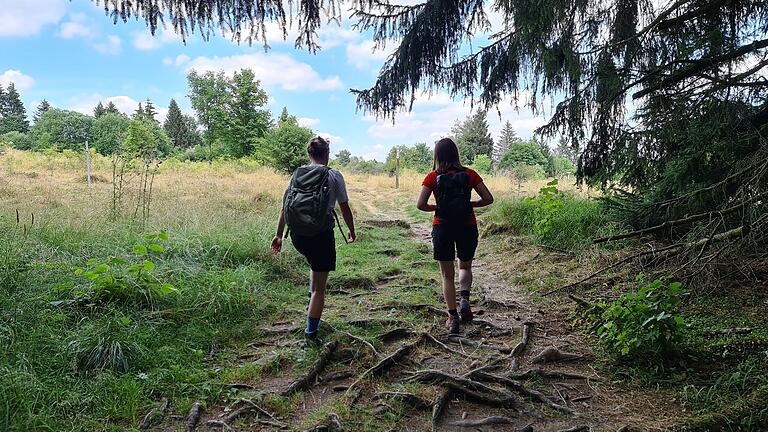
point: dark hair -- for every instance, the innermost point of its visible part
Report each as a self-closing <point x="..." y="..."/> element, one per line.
<point x="446" y="156"/>
<point x="318" y="148"/>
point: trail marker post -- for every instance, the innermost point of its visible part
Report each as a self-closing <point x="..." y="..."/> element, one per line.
<point x="397" y="168"/>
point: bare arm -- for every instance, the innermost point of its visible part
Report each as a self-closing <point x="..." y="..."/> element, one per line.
<point x="486" y="198"/>
<point x="277" y="241"/>
<point x="422" y="202"/>
<point x="346" y="213"/>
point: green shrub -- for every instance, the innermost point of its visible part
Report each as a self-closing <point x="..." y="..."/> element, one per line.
<point x="17" y="140"/>
<point x="642" y="322"/>
<point x="547" y="205"/>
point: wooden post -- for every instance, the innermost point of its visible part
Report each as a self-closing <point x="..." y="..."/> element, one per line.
<point x="397" y="169"/>
<point x="88" y="162"/>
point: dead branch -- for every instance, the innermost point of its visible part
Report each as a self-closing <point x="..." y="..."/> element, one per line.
<point x="193" y="417"/>
<point x="387" y="362"/>
<point x="309" y="378"/>
<point x="552" y="354"/>
<point x="464" y="341"/>
<point x="409" y="399"/>
<point x="434" y="342"/>
<point x="520" y="347"/>
<point x="492" y="420"/>
<point x="253" y="406"/>
<point x="438" y="408"/>
<point x="154" y="416"/>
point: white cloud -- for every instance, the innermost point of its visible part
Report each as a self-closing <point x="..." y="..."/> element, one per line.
<point x="273" y="69"/>
<point x="19" y="80"/>
<point x="308" y="122"/>
<point x="332" y="139"/>
<point x="364" y="54"/>
<point x="111" y="45"/>
<point x="145" y="41"/>
<point x="78" y="28"/>
<point x="26" y="17"/>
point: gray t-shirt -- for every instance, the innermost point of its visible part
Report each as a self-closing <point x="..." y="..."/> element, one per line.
<point x="338" y="188"/>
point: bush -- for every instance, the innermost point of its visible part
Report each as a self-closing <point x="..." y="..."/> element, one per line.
<point x="523" y="173"/>
<point x="61" y="129"/>
<point x="17" y="140"/>
<point x="481" y="164"/>
<point x="642" y="322"/>
<point x="109" y="132"/>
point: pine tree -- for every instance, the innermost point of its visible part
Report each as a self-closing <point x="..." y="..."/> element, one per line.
<point x="566" y="150"/>
<point x="111" y="108"/>
<point x="41" y="109"/>
<point x="13" y="115"/>
<point x="99" y="110"/>
<point x="473" y="138"/>
<point x="177" y="127"/>
<point x="139" y="113"/>
<point x="506" y="138"/>
<point x="149" y="111"/>
<point x="284" y="116"/>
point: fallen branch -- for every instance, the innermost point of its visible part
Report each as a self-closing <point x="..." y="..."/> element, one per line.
<point x="154" y="416"/>
<point x="387" y="362"/>
<point x="552" y="354"/>
<point x="409" y="399"/>
<point x="464" y="341"/>
<point x="193" y="417"/>
<point x="492" y="420"/>
<point x="520" y="347"/>
<point x="309" y="378"/>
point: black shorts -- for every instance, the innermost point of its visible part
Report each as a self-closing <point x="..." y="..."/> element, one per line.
<point x="450" y="241"/>
<point x="319" y="250"/>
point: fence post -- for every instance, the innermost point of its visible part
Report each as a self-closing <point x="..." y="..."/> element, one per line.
<point x="397" y="169"/>
<point x="88" y="162"/>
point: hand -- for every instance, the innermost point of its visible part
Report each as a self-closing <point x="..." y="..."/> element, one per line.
<point x="277" y="244"/>
<point x="352" y="237"/>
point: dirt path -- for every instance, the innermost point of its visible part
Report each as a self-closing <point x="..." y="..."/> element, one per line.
<point x="391" y="366"/>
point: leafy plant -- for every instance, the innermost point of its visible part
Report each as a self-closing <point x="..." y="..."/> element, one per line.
<point x="547" y="205"/>
<point x="118" y="278"/>
<point x="643" y="321"/>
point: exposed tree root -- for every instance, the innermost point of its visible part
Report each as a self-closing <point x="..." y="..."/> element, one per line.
<point x="527" y="428"/>
<point x="337" y="376"/>
<point x="387" y="362"/>
<point x="577" y="429"/>
<point x="309" y="378"/>
<point x="218" y="424"/>
<point x="520" y="347"/>
<point x="331" y="424"/>
<point x="364" y="342"/>
<point x="193" y="417"/>
<point x="154" y="416"/>
<point x="409" y="399"/>
<point x="469" y="342"/>
<point x="495" y="329"/>
<point x="489" y="302"/>
<point x="473" y="390"/>
<point x="532" y="373"/>
<point x="438" y="408"/>
<point x="492" y="420"/>
<point x="552" y="354"/>
<point x="250" y="407"/>
<point x="428" y="338"/>
<point x="521" y="389"/>
<point x="395" y="334"/>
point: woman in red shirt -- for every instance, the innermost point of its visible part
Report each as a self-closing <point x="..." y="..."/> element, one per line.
<point x="454" y="227"/>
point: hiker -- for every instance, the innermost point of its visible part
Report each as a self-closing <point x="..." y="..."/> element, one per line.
<point x="308" y="210"/>
<point x="454" y="227"/>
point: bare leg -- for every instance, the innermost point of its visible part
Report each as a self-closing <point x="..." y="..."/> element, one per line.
<point x="465" y="275"/>
<point x="448" y="272"/>
<point x="317" y="302"/>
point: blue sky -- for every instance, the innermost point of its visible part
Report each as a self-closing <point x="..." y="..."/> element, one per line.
<point x="70" y="53"/>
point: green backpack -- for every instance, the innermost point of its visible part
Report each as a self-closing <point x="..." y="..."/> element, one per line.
<point x="306" y="201"/>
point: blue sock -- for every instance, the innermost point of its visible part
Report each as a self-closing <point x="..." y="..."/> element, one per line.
<point x="312" y="324"/>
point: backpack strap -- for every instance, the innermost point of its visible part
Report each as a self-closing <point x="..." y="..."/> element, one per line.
<point x="336" y="216"/>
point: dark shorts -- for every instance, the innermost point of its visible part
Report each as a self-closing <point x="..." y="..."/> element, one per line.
<point x="450" y="241"/>
<point x="319" y="250"/>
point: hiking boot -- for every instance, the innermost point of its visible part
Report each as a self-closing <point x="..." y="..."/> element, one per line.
<point x="465" y="312"/>
<point x="312" y="340"/>
<point x="452" y="324"/>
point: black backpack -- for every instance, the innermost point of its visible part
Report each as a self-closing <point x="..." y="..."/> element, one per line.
<point x="306" y="201"/>
<point x="454" y="198"/>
